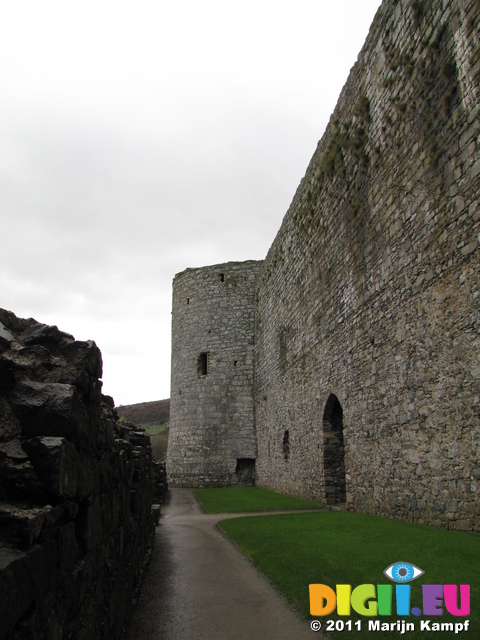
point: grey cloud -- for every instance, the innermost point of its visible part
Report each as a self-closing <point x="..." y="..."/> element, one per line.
<point x="103" y="222"/>
<point x="121" y="167"/>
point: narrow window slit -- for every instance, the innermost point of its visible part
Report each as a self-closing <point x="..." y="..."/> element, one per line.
<point x="286" y="445"/>
<point x="203" y="364"/>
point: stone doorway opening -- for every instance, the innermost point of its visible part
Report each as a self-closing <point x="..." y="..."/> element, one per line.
<point x="333" y="452"/>
<point x="245" y="472"/>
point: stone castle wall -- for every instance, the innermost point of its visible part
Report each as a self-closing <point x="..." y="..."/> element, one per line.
<point x="370" y="292"/>
<point x="75" y="491"/>
<point x="212" y="438"/>
<point x="367" y="367"/>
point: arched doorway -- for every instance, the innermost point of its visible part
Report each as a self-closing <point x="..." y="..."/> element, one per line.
<point x="333" y="452"/>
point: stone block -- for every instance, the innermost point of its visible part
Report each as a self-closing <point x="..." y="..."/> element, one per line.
<point x="47" y="409"/>
<point x="60" y="468"/>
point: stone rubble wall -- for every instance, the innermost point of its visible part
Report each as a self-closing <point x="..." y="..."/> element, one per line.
<point x="370" y="293"/>
<point x="75" y="491"/>
<point x="160" y="481"/>
<point x="211" y="438"/>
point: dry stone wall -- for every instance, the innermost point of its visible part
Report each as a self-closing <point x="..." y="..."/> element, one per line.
<point x="212" y="438"/>
<point x="367" y="334"/>
<point x="369" y="297"/>
<point x="75" y="491"/>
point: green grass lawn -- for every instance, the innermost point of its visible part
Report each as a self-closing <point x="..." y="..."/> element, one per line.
<point x="154" y="431"/>
<point x="331" y="548"/>
<point x="247" y="499"/>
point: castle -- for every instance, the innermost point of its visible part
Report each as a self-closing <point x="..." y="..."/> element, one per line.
<point x="345" y="367"/>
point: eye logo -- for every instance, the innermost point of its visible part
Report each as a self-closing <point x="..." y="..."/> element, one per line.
<point x="403" y="572"/>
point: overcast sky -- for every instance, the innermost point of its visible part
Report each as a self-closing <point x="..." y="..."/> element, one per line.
<point x="141" y="138"/>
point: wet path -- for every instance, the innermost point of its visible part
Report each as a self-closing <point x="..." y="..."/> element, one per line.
<point x="199" y="587"/>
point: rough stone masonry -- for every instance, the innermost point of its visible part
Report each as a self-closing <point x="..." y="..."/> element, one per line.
<point x="362" y="323"/>
<point x="212" y="441"/>
<point x="75" y="491"/>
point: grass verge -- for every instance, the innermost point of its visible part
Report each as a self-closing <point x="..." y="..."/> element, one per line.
<point x="247" y="499"/>
<point x="159" y="440"/>
<point x="331" y="548"/>
<point x="154" y="431"/>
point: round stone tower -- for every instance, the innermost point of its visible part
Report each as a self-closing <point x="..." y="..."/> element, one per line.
<point x="212" y="430"/>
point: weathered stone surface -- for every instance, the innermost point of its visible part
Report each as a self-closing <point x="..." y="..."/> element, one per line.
<point x="160" y="481"/>
<point x="58" y="466"/>
<point x="211" y="424"/>
<point x="369" y="296"/>
<point x="73" y="541"/>
<point x="5" y="335"/>
<point x="48" y="409"/>
<point x="84" y="356"/>
<point x="45" y="335"/>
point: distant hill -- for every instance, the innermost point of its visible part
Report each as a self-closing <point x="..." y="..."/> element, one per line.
<point x="146" y="414"/>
